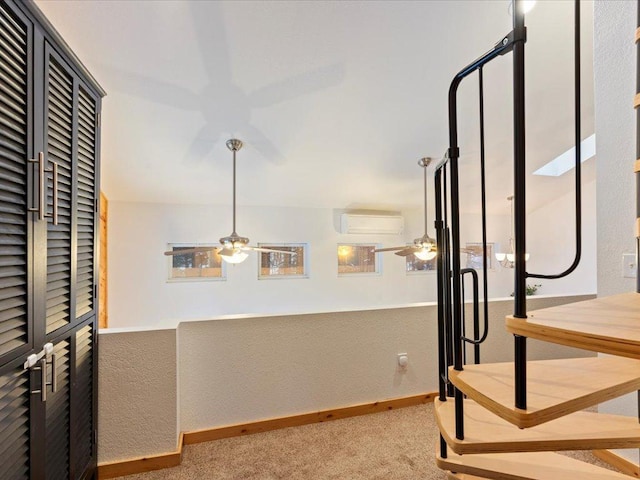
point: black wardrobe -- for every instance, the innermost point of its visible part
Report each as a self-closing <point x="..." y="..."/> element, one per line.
<point x="49" y="188"/>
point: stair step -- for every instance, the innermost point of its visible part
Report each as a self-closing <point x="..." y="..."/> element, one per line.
<point x="555" y="388"/>
<point x="463" y="476"/>
<point x="524" y="466"/>
<point x="608" y="325"/>
<point x="485" y="432"/>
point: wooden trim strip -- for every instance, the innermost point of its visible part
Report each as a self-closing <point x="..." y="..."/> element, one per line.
<point x="637" y="227"/>
<point x="637" y="35"/>
<point x="141" y="465"/>
<point x="636" y="101"/>
<point x="636" y="166"/>
<point x="173" y="459"/>
<point x="305" y="419"/>
<point x="616" y="461"/>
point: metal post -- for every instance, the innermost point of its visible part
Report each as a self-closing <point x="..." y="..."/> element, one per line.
<point x="519" y="181"/>
<point x="439" y="226"/>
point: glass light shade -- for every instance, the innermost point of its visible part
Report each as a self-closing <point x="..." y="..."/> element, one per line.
<point x="425" y="254"/>
<point x="527" y="6"/>
<point x="238" y="256"/>
<point x="501" y="256"/>
<point x="526" y="257"/>
<point x="511" y="257"/>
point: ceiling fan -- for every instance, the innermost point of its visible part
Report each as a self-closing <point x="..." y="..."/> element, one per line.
<point x="233" y="248"/>
<point x="424" y="247"/>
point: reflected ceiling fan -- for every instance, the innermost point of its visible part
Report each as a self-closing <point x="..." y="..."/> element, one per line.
<point x="233" y="248"/>
<point x="424" y="247"/>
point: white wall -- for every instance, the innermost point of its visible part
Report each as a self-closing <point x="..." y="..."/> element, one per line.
<point x="138" y="395"/>
<point x="615" y="74"/>
<point x="234" y="371"/>
<point x="140" y="296"/>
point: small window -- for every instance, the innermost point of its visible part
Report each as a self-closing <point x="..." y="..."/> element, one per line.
<point x="201" y="265"/>
<point x="475" y="254"/>
<point x="414" y="264"/>
<point x="357" y="258"/>
<point x="282" y="265"/>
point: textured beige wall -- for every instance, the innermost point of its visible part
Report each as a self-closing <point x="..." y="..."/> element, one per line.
<point x="208" y="374"/>
<point x="615" y="76"/>
<point x="244" y="370"/>
<point x="137" y="403"/>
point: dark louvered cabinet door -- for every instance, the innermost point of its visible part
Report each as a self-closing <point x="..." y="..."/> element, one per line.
<point x="59" y="147"/>
<point x="57" y="415"/>
<point x="15" y="99"/>
<point x="83" y="458"/>
<point x="14" y="424"/>
<point x="86" y="204"/>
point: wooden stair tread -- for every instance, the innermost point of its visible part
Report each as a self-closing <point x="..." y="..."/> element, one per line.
<point x="463" y="476"/>
<point x="524" y="466"/>
<point x="608" y="325"/>
<point x="554" y="387"/>
<point x="485" y="432"/>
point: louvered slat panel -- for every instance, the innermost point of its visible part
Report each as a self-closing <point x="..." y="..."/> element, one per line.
<point x="86" y="202"/>
<point x="57" y="419"/>
<point x="13" y="198"/>
<point x="59" y="150"/>
<point x="14" y="426"/>
<point x="83" y="425"/>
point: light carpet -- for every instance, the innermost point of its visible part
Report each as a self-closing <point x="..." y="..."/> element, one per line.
<point x="394" y="445"/>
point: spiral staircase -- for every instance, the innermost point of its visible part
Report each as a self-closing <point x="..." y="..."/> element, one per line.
<point x="504" y="442"/>
<point x="508" y="421"/>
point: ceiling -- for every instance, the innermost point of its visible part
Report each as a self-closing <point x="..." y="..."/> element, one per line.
<point x="335" y="100"/>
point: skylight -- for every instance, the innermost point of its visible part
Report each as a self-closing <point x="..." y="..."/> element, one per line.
<point x="566" y="161"/>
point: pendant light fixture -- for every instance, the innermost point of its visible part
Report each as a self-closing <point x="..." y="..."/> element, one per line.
<point x="508" y="260"/>
<point x="424" y="247"/>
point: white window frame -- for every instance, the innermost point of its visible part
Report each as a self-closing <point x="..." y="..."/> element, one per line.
<point x="377" y="260"/>
<point x="171" y="279"/>
<point x="305" y="263"/>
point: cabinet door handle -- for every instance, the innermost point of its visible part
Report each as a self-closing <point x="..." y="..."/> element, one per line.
<point x="42" y="367"/>
<point x="55" y="192"/>
<point x="43" y="377"/>
<point x="54" y="373"/>
<point x="42" y="200"/>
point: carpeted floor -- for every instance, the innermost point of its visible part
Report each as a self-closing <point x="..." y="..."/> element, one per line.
<point x="398" y="444"/>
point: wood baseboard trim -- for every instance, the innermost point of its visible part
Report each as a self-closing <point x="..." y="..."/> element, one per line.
<point x="141" y="465"/>
<point x="173" y="459"/>
<point x="616" y="461"/>
<point x="305" y="419"/>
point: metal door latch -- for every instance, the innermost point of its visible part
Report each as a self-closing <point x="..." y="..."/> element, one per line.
<point x="39" y="362"/>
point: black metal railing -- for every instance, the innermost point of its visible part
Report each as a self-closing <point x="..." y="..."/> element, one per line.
<point x="452" y="338"/>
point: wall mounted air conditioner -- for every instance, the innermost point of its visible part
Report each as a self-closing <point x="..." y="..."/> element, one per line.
<point x="371" y="224"/>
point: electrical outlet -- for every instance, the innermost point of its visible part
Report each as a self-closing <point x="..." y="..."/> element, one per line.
<point x="629" y="265"/>
<point x="403" y="360"/>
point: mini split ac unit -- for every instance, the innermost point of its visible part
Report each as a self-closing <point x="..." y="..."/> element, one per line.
<point x="371" y="224"/>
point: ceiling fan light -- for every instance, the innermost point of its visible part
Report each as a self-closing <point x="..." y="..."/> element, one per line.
<point x="238" y="256"/>
<point x="501" y="256"/>
<point x="426" y="254"/>
<point x="526" y="257"/>
<point x="511" y="257"/>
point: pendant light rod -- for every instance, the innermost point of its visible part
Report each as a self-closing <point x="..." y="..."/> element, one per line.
<point x="424" y="163"/>
<point x="234" y="145"/>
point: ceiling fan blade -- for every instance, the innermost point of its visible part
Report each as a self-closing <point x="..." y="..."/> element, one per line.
<point x="408" y="251"/>
<point x="211" y="37"/>
<point x="298" y="85"/>
<point x="190" y="250"/>
<point x="390" y="249"/>
<point x="202" y="144"/>
<point x="152" y="89"/>
<point x="263" y="145"/>
<point x="270" y="250"/>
